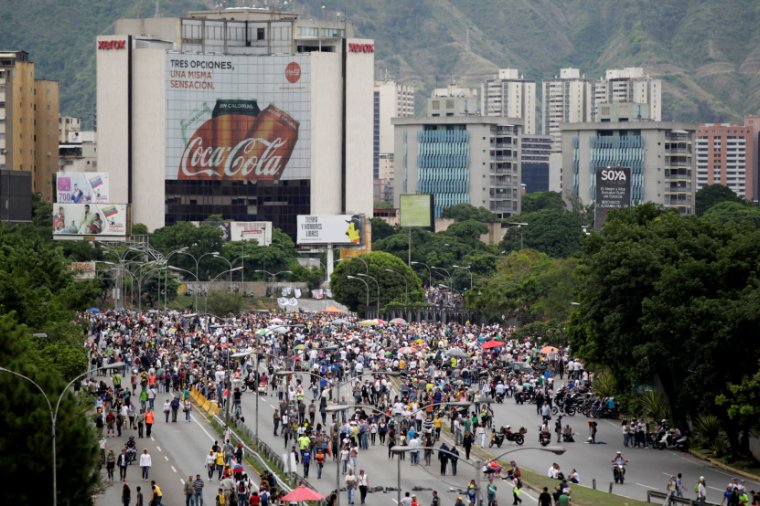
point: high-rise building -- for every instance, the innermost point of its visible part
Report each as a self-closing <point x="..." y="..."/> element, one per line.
<point x="460" y="160"/>
<point x="659" y="155"/>
<point x="29" y="110"/>
<point x="567" y="99"/>
<point x="535" y="151"/>
<point x="249" y="113"/>
<point x="629" y="85"/>
<point x="727" y="155"/>
<point x="509" y="95"/>
<point x="391" y="100"/>
<point x="453" y="101"/>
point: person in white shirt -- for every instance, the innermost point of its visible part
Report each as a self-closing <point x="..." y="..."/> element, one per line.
<point x="145" y="463"/>
<point x="350" y="481"/>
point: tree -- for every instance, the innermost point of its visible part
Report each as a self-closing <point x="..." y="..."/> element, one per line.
<point x="537" y="201"/>
<point x="671" y="299"/>
<point x="464" y="212"/>
<point x="711" y="195"/>
<point x="743" y="403"/>
<point x="381" y="229"/>
<point x="222" y="303"/>
<point x="556" y="232"/>
<point x="737" y="212"/>
<point x="393" y="285"/>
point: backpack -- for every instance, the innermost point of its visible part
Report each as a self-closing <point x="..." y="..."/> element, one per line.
<point x="241" y="487"/>
<point x="175" y="404"/>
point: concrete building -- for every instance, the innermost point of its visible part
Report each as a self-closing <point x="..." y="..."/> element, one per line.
<point x="629" y="85"/>
<point x="391" y="100"/>
<point x="727" y="155"/>
<point x="68" y="129"/>
<point x="460" y="160"/>
<point x="535" y="151"/>
<point x="80" y="153"/>
<point x="567" y="99"/>
<point x="252" y="114"/>
<point x="29" y="110"/>
<point x="509" y="95"/>
<point x="453" y="101"/>
<point x="659" y="155"/>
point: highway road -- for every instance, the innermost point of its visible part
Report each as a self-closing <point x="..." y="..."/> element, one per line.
<point x="648" y="468"/>
<point x="178" y="450"/>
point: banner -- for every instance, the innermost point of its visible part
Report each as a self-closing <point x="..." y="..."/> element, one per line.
<point x="83" y="270"/>
<point x="613" y="191"/>
<point x="90" y="219"/>
<point x="259" y="231"/>
<point x="344" y="229"/>
<point x="244" y="118"/>
<point x="416" y="210"/>
<point x="82" y="188"/>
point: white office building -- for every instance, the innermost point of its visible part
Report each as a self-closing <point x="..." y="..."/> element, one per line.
<point x="509" y="95"/>
<point x="629" y="85"/>
<point x="391" y="100"/>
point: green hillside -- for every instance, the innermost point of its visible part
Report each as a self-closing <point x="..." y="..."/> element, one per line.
<point x="706" y="52"/>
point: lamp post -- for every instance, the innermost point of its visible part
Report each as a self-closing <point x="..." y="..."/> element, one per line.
<point x="180" y="269"/>
<point x="406" y="285"/>
<point x="519" y="226"/>
<point x="198" y="261"/>
<point x="332" y="409"/>
<point x="466" y="268"/>
<point x="220" y="257"/>
<point x="366" y="265"/>
<point x="377" y="315"/>
<point x="241" y="354"/>
<point x="54" y="412"/>
<point x="430" y="272"/>
<point x="205" y="295"/>
<point x="448" y="274"/>
<point x="166" y="278"/>
<point x="365" y="284"/>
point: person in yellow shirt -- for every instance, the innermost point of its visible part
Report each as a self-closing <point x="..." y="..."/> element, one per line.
<point x="437" y="424"/>
<point x="219" y="463"/>
<point x="158" y="495"/>
<point x="402" y="364"/>
<point x="220" y="499"/>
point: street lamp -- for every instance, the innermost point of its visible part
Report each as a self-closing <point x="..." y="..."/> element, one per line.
<point x="430" y="272"/>
<point x="365" y="284"/>
<point x="211" y="283"/>
<point x="166" y="279"/>
<point x="448" y="274"/>
<point x="198" y="260"/>
<point x="180" y="269"/>
<point x="520" y="227"/>
<point x="273" y="275"/>
<point x="467" y="268"/>
<point x="54" y="412"/>
<point x="366" y="266"/>
<point x="241" y="354"/>
<point x="406" y="285"/>
<point x="377" y="315"/>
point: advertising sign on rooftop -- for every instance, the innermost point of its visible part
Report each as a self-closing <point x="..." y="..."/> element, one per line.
<point x="105" y="220"/>
<point x="82" y="187"/>
<point x="613" y="191"/>
<point x="345" y="229"/>
<point x="416" y="210"/>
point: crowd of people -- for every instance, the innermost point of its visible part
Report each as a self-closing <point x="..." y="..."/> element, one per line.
<point x="394" y="385"/>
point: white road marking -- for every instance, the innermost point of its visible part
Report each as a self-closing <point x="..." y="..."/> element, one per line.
<point x="173" y="469"/>
<point x="718" y="489"/>
<point x="204" y="430"/>
<point x="645" y="486"/>
<point x="167" y="458"/>
<point x="152" y="439"/>
<point x="158" y="447"/>
<point x="182" y="481"/>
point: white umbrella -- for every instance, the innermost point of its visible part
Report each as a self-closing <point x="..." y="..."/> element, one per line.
<point x="456" y="352"/>
<point x="276" y="321"/>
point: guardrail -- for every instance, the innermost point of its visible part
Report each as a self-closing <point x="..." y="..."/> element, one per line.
<point x="654" y="494"/>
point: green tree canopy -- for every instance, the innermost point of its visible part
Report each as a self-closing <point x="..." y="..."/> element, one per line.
<point x="381" y="229"/>
<point x="672" y="298"/>
<point x="394" y="285"/>
<point x="736" y="212"/>
<point x="711" y="195"/>
<point x="556" y="232"/>
<point x="464" y="212"/>
<point x="537" y="201"/>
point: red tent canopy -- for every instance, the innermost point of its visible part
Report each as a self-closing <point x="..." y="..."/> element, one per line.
<point x="492" y="344"/>
<point x="303" y="493"/>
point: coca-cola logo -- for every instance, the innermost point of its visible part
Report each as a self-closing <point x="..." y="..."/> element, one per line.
<point x="252" y="158"/>
<point x="293" y="72"/>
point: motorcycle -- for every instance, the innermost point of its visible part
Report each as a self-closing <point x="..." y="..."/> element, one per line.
<point x="618" y="473"/>
<point x="516" y="437"/>
<point x="497" y="438"/>
<point x="250" y="382"/>
<point x="544" y="437"/>
<point x="666" y="441"/>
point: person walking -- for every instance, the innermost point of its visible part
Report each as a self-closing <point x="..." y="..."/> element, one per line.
<point x="454" y="458"/>
<point x="139" y="497"/>
<point x="670" y="489"/>
<point x="158" y="495"/>
<point x="350" y="481"/>
<point x="363" y="481"/>
<point x="188" y="489"/>
<point x="167" y="409"/>
<point x="122" y="462"/>
<point x="198" y="490"/>
<point x="145" y="464"/>
<point x="443" y="457"/>
<point x="320" y="458"/>
<point x="149" y="419"/>
<point x="126" y="495"/>
<point x="467" y="441"/>
<point x="110" y="464"/>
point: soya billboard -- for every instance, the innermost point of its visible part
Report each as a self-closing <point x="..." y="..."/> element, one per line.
<point x="613" y="191"/>
<point x="239" y="118"/>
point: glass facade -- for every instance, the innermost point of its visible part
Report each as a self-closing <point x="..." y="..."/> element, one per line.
<point x="620" y="149"/>
<point x="442" y="165"/>
<point x="276" y="201"/>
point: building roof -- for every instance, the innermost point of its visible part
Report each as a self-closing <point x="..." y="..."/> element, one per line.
<point x="456" y="120"/>
<point x="628" y="125"/>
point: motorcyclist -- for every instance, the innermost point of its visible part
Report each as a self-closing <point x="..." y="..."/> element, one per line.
<point x="618" y="459"/>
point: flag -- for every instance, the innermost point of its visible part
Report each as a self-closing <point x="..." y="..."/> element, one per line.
<point x="297" y="292"/>
<point x="317" y="294"/>
<point x="110" y="211"/>
<point x="95" y="182"/>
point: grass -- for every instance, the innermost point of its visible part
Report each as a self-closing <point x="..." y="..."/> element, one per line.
<point x="581" y="496"/>
<point x="748" y="467"/>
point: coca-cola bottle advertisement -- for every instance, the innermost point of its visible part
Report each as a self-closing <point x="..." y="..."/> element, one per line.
<point x="240" y="142"/>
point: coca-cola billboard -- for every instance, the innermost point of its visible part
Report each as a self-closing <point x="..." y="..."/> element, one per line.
<point x="241" y="118"/>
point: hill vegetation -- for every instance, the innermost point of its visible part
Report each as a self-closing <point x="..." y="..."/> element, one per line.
<point x="706" y="52"/>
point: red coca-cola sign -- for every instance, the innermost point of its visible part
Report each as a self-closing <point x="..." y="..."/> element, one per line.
<point x="240" y="143"/>
<point x="293" y="72"/>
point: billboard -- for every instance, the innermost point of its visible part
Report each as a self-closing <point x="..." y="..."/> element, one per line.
<point x="82" y="188"/>
<point x="244" y="118"/>
<point x="108" y="220"/>
<point x="613" y="191"/>
<point x="416" y="210"/>
<point x="83" y="270"/>
<point x="345" y="229"/>
<point x="259" y="231"/>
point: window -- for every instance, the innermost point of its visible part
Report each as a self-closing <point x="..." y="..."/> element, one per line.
<point x="260" y="34"/>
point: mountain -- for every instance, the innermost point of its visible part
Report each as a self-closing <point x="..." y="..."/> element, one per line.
<point x="706" y="52"/>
